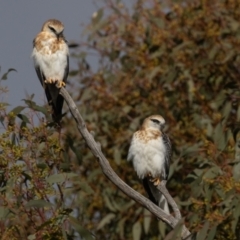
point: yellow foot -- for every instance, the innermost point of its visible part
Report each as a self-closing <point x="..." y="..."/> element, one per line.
<point x="60" y="84"/>
<point x="156" y="181"/>
<point x="50" y="80"/>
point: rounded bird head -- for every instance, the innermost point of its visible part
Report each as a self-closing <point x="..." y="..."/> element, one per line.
<point x="154" y="121"/>
<point x="53" y="26"/>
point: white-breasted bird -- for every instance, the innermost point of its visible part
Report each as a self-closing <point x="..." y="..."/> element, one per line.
<point x="51" y="60"/>
<point x="150" y="151"/>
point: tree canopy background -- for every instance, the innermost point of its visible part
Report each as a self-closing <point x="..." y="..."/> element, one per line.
<point x="179" y="59"/>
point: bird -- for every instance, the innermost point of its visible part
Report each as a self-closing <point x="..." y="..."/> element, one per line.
<point x="150" y="151"/>
<point x="51" y="61"/>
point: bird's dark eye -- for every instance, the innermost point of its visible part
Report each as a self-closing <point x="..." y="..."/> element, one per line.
<point x="52" y="29"/>
<point x="155" y="121"/>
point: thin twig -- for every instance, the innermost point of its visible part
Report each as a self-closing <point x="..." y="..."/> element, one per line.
<point x="109" y="172"/>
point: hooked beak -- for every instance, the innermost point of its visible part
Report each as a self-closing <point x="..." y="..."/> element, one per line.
<point x="60" y="35"/>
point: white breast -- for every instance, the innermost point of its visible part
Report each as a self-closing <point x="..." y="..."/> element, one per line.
<point x="53" y="65"/>
<point x="147" y="157"/>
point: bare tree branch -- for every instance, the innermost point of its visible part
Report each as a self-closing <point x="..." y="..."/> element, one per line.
<point x="162" y="188"/>
<point x="112" y="176"/>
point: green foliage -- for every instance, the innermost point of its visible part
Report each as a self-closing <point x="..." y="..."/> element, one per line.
<point x="5" y="75"/>
<point x="36" y="183"/>
<point x="175" y="58"/>
<point x="179" y="60"/>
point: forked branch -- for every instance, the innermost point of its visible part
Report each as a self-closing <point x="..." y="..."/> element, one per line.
<point x="113" y="177"/>
<point x="162" y="188"/>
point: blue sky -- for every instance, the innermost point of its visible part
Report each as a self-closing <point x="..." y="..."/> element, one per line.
<point x="20" y="21"/>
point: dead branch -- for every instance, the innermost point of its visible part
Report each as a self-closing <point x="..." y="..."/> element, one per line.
<point x="113" y="177"/>
<point x="162" y="188"/>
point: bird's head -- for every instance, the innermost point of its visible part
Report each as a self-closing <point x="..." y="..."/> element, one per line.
<point x="54" y="27"/>
<point x="154" y="122"/>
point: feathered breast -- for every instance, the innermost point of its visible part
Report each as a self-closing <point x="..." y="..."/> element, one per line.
<point x="147" y="151"/>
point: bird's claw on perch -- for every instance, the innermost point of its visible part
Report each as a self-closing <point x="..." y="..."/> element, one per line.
<point x="156" y="181"/>
<point x="60" y="84"/>
<point x="50" y="81"/>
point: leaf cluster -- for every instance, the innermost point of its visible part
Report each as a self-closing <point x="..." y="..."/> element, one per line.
<point x="180" y="60"/>
<point x="175" y="58"/>
<point x="37" y="186"/>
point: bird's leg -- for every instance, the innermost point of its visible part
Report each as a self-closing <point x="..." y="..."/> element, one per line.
<point x="60" y="84"/>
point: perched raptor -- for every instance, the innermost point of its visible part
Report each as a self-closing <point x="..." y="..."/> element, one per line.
<point x="150" y="151"/>
<point x="51" y="61"/>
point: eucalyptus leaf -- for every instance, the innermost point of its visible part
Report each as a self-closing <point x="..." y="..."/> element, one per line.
<point x="61" y="177"/>
<point x="39" y="203"/>
<point x="85" y="234"/>
<point x="212" y="233"/>
<point x="146" y="220"/>
<point x="202" y="234"/>
<point x="106" y="220"/>
<point x="4" y="211"/>
<point x="5" y="75"/>
<point x="137" y="230"/>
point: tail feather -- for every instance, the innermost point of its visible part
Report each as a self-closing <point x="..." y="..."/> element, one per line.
<point x="155" y="195"/>
<point x="149" y="191"/>
<point x="55" y="100"/>
<point x="163" y="204"/>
